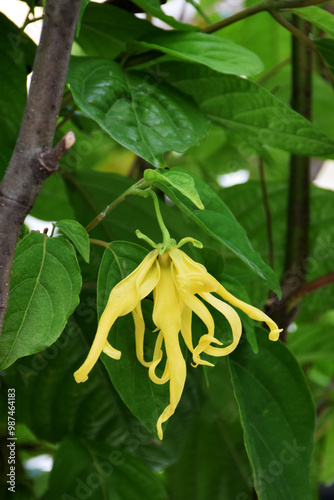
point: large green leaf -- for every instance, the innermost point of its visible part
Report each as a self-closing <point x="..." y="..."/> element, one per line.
<point x="86" y="469"/>
<point x="142" y="113"/>
<point x="106" y="30"/>
<point x="217" y="53"/>
<point x="145" y="399"/>
<point x="52" y="404"/>
<point x="278" y="416"/>
<point x="44" y="291"/>
<point x="218" y="221"/>
<point x="244" y="107"/>
<point x="261" y="34"/>
<point x="214" y="463"/>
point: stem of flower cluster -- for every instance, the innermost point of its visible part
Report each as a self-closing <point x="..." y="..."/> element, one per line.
<point x="166" y="239"/>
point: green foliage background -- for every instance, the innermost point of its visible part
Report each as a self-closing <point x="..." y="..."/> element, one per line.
<point x="259" y="424"/>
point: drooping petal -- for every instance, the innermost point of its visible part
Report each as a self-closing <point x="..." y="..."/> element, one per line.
<point x="234" y="320"/>
<point x="157" y="357"/>
<point x="251" y="311"/>
<point x="167" y="317"/>
<point x="123" y="299"/>
<point x="146" y="286"/>
<point x="186" y="317"/>
<point x="139" y="334"/>
<point x="197" y="306"/>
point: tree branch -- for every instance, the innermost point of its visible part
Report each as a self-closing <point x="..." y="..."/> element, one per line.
<point x="308" y="288"/>
<point x="264" y="6"/>
<point x="295" y="268"/>
<point x="33" y="161"/>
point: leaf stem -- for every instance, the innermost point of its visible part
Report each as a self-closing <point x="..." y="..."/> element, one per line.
<point x="165" y="233"/>
<point x="102" y="215"/>
<point x="99" y="242"/>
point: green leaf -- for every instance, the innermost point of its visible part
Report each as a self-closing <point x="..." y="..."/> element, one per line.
<point x="52" y="202"/>
<point x="278" y="416"/>
<point x="181" y="181"/>
<point x="77" y="234"/>
<point x="326" y="49"/>
<point x="218" y="221"/>
<point x="81" y="13"/>
<point x="213" y="464"/>
<point x="317" y="16"/>
<point x="145" y="399"/>
<point x="140" y="112"/>
<point x="154" y="7"/>
<point x="87" y="469"/>
<point x="244" y="107"/>
<point x="44" y="291"/>
<point x="217" y="53"/>
<point x="52" y="404"/>
<point x="106" y="30"/>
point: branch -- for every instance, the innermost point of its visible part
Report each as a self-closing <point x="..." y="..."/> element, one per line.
<point x="308" y="288"/>
<point x="33" y="161"/>
<point x="264" y="6"/>
<point x="295" y="269"/>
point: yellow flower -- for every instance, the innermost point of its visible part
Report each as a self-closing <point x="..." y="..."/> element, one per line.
<point x="180" y="286"/>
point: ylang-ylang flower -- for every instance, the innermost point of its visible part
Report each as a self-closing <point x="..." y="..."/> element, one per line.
<point x="180" y="288"/>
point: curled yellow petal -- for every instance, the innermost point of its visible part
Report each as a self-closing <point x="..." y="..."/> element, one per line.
<point x="251" y="311"/>
<point x="157" y="357"/>
<point x="234" y="320"/>
<point x="123" y="299"/>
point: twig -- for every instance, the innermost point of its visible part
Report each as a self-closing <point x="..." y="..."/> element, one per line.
<point x="67" y="117"/>
<point x="265" y="5"/>
<point x="113" y="205"/>
<point x="310" y="287"/>
<point x="273" y="71"/>
<point x="49" y="159"/>
<point x="268" y="214"/>
<point x="290" y="27"/>
<point x="26" y="172"/>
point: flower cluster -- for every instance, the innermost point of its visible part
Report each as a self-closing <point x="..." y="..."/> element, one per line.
<point x="180" y="287"/>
